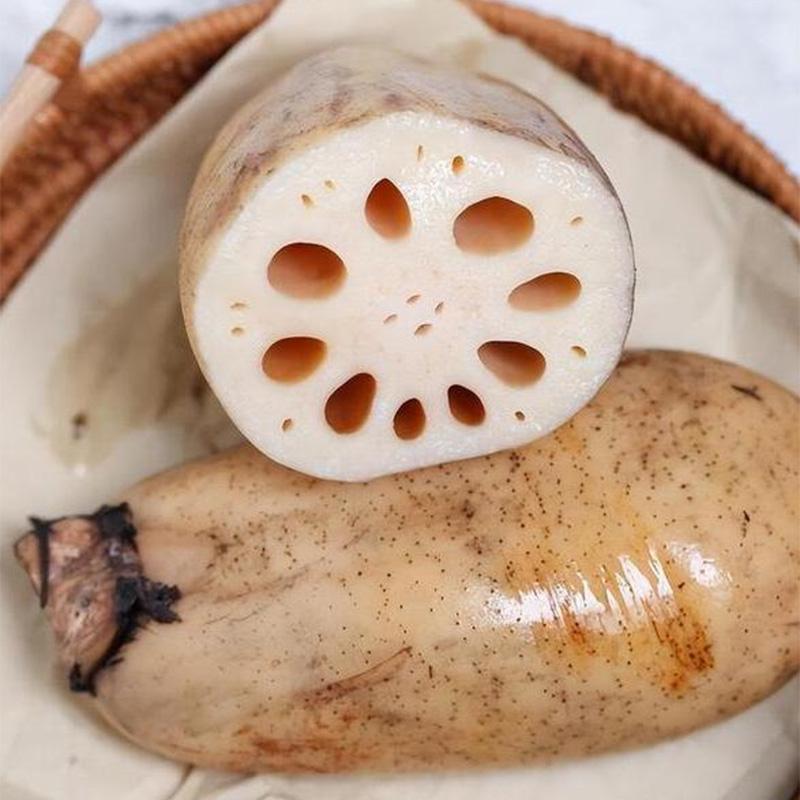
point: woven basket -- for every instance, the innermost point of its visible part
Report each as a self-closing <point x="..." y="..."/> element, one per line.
<point x="108" y="106"/>
<point x="101" y="112"/>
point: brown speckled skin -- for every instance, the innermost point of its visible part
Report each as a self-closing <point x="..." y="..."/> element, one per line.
<point x="339" y="89"/>
<point x="631" y="577"/>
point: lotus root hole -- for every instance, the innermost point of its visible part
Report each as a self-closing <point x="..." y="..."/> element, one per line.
<point x="306" y="271"/>
<point x="423" y="329"/>
<point x="348" y="407"/>
<point x="439" y="308"/>
<point x="457" y="164"/>
<point x="494" y="225"/>
<point x="238" y="306"/>
<point x="307" y="201"/>
<point x="293" y="359"/>
<point x="329" y="184"/>
<point x="420" y="152"/>
<point x="237" y="331"/>
<point x="520" y="415"/>
<point x="546" y="292"/>
<point x="514" y="363"/>
<point x="465" y="405"/>
<point x="576" y="221"/>
<point x="387" y="211"/>
<point x="391" y="318"/>
<point x="409" y="421"/>
<point x="286" y="425"/>
<point x="579" y="351"/>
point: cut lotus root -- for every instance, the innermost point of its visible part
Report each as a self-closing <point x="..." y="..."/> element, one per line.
<point x="387" y="264"/>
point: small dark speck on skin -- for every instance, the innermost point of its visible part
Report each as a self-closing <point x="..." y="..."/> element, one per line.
<point x="750" y="391"/>
<point x="746" y="516"/>
<point x="430" y="671"/>
<point x="220" y="548"/>
<point x="79" y="423"/>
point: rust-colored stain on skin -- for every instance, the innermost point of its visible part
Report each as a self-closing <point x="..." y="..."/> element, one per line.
<point x="296" y="755"/>
<point x="347" y="702"/>
<point x="689" y="647"/>
<point x="587" y="601"/>
<point x="300" y="755"/>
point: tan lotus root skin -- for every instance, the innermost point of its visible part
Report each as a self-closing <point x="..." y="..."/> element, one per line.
<point x="386" y="264"/>
<point x="623" y="581"/>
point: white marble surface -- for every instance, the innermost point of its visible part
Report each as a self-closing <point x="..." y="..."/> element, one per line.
<point x="744" y="54"/>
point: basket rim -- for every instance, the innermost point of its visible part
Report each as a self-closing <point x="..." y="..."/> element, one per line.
<point x="137" y="55"/>
<point x="662" y="79"/>
<point x="113" y="101"/>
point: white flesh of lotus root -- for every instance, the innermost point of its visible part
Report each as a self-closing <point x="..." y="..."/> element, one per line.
<point x="387" y="265"/>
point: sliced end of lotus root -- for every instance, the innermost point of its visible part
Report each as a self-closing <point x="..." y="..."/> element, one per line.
<point x="387" y="265"/>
